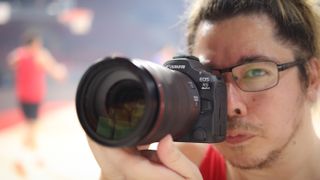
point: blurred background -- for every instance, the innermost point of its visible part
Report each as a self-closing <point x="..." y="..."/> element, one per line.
<point x="77" y="33"/>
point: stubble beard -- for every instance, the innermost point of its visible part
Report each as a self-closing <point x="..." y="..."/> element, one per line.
<point x="272" y="156"/>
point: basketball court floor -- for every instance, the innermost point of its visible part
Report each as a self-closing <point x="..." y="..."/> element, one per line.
<point x="62" y="146"/>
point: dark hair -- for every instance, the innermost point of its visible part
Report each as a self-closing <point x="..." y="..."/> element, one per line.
<point x="30" y="36"/>
<point x="296" y="21"/>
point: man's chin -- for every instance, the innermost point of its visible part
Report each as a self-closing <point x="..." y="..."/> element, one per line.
<point x="241" y="164"/>
<point x="250" y="162"/>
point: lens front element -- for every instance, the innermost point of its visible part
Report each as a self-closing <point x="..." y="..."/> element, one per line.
<point x="125" y="105"/>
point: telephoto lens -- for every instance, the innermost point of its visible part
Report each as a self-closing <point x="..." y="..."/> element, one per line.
<point x="128" y="102"/>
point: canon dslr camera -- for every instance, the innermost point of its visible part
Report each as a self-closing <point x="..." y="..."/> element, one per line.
<point x="129" y="102"/>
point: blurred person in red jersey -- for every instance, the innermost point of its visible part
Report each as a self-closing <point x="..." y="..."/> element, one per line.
<point x="31" y="62"/>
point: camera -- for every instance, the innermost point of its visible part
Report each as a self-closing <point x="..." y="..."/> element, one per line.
<point x="129" y="102"/>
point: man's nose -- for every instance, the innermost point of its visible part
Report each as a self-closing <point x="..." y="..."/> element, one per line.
<point x="236" y="104"/>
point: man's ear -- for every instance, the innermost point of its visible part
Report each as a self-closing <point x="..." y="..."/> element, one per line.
<point x="314" y="78"/>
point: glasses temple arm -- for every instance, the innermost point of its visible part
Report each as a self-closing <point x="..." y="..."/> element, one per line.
<point x="282" y="67"/>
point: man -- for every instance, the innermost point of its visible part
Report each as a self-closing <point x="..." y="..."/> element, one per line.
<point x="268" y="53"/>
<point x="31" y="62"/>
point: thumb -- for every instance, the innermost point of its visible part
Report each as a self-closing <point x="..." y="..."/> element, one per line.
<point x="175" y="160"/>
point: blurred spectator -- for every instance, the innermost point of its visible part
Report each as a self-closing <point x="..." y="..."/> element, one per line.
<point x="30" y="62"/>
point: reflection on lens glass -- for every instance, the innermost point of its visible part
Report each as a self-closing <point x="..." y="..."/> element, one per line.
<point x="125" y="104"/>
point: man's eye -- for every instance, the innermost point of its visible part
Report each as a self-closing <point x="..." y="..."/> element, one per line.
<point x="252" y="73"/>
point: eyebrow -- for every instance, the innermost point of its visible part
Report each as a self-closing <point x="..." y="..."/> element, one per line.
<point x="242" y="60"/>
<point x="248" y="59"/>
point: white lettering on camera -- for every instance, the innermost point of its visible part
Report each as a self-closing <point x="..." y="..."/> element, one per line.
<point x="205" y="86"/>
<point x="204" y="79"/>
<point x="176" y="66"/>
<point x="196" y="100"/>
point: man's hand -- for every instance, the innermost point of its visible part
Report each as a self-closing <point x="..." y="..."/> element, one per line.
<point x="130" y="163"/>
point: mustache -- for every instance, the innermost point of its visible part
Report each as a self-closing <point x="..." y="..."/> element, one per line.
<point x="236" y="123"/>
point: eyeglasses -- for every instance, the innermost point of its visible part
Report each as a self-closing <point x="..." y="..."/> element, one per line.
<point x="257" y="75"/>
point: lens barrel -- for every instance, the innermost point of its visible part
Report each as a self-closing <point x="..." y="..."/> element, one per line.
<point x="128" y="102"/>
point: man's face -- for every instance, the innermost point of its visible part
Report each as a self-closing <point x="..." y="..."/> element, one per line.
<point x="261" y="124"/>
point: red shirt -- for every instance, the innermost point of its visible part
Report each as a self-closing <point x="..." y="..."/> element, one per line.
<point x="30" y="77"/>
<point x="213" y="166"/>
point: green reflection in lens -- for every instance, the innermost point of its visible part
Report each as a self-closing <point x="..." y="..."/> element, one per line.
<point x="125" y="105"/>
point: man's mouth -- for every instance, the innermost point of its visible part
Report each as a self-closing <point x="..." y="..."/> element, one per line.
<point x="238" y="138"/>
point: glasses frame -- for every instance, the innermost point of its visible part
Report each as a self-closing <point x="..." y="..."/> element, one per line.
<point x="280" y="67"/>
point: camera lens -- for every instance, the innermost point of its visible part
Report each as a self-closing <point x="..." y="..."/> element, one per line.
<point x="125" y="105"/>
<point x="125" y="102"/>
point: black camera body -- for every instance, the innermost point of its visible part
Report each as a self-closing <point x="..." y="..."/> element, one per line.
<point x="212" y="121"/>
<point x="129" y="102"/>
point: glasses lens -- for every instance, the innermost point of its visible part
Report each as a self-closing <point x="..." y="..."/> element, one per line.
<point x="256" y="76"/>
<point x="125" y="105"/>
